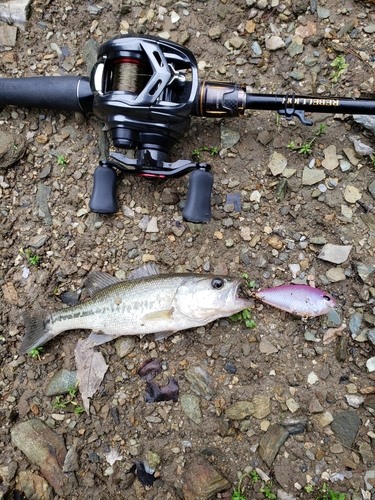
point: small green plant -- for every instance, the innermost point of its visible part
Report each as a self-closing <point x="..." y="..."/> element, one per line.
<point x="309" y="488"/>
<point x="33" y="259"/>
<point x="61" y="160"/>
<point x="62" y="403"/>
<point x="35" y="353"/>
<point x="306" y="148"/>
<point x="266" y="490"/>
<point x="254" y="476"/>
<point x="339" y="65"/>
<point x="196" y="154"/>
<point x="328" y="494"/>
<point x="238" y="492"/>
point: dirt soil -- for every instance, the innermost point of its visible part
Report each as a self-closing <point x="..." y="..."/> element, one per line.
<point x="283" y="360"/>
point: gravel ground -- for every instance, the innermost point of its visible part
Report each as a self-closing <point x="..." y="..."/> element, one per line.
<point x="289" y="402"/>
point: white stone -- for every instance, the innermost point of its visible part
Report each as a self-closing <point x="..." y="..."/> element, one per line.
<point x="337" y="254"/>
<point x="277" y="163"/>
<point x="352" y="194"/>
<point x="274" y="43"/>
<point x="312" y="378"/>
<point x="330" y="161"/>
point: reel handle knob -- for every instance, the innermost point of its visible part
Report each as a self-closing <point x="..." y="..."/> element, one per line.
<point x="103" y="198"/>
<point x="198" y="203"/>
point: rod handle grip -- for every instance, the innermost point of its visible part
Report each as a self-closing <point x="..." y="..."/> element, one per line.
<point x="103" y="197"/>
<point x="198" y="204"/>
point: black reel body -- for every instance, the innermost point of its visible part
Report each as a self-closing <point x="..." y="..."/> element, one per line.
<point x="144" y="90"/>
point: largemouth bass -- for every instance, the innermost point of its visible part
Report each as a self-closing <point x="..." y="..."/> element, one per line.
<point x="147" y="302"/>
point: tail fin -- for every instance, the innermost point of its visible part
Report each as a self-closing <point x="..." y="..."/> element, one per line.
<point x="38" y="331"/>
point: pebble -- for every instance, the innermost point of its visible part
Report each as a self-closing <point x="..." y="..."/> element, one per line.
<point x="322" y="419"/>
<point x="262" y="406"/>
<point x="229" y="137"/>
<point x="355" y="322"/>
<point x="190" y="405"/>
<point x="266" y="347"/>
<point x="312" y="378"/>
<point x="370" y="364"/>
<point x="124" y="346"/>
<point x="201" y="480"/>
<point x="43" y="447"/>
<point x="277" y="163"/>
<point x="336" y="254"/>
<point x="335" y="274"/>
<point x="200" y="382"/>
<point x="292" y="405"/>
<point x="240" y="410"/>
<point x="330" y="161"/>
<point x="61" y="382"/>
<point x="323" y="13"/>
<point x="354" y="401"/>
<point x="345" y="426"/>
<point x="365" y="272"/>
<point x="271" y="443"/>
<point x="274" y="43"/>
<point x="312" y="176"/>
<point x="352" y="194"/>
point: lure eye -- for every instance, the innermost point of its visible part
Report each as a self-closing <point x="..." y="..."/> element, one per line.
<point x="327" y="298"/>
<point x="217" y="283"/>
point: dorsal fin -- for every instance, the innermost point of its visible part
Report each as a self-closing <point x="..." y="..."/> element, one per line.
<point x="149" y="269"/>
<point x="97" y="280"/>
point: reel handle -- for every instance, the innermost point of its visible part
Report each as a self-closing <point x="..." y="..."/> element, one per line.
<point x="198" y="203"/>
<point x="103" y="197"/>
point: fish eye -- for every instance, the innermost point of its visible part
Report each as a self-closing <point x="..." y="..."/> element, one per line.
<point x="327" y="297"/>
<point x="217" y="283"/>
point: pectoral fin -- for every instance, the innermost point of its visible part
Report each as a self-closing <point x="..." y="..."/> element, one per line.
<point x="160" y="336"/>
<point x="158" y="316"/>
<point x="95" y="339"/>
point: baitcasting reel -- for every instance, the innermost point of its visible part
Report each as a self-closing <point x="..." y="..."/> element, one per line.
<point x="145" y="89"/>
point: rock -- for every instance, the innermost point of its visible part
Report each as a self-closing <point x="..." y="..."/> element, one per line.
<point x="352" y="194"/>
<point x="46" y="449"/>
<point x="240" y="410"/>
<point x="271" y="443"/>
<point x="215" y="32"/>
<point x="355" y="322"/>
<point x="345" y="425"/>
<point x="315" y="406"/>
<point x="14" y="11"/>
<point x="295" y="425"/>
<point x="124" y="346"/>
<point x="42" y="196"/>
<point x="8" y="34"/>
<point x="323" y="13"/>
<point x="354" y="401"/>
<point x="61" y="382"/>
<point x="277" y="163"/>
<point x="371" y="188"/>
<point x="311" y="176"/>
<point x="365" y="271"/>
<point x="335" y="274"/>
<point x="33" y="486"/>
<point x="296" y="47"/>
<point x="274" y="43"/>
<point x="200" y="382"/>
<point x="237" y="42"/>
<point x="292" y="405"/>
<point x="71" y="463"/>
<point x="152" y="226"/>
<point x="370" y="364"/>
<point x="330" y="161"/>
<point x="367" y="121"/>
<point x="266" y="347"/>
<point x="369" y="479"/>
<point x="350" y="153"/>
<point x="322" y="419"/>
<point x="312" y="378"/>
<point x="170" y="197"/>
<point x="262" y="406"/>
<point x="229" y="138"/>
<point x="201" y="481"/>
<point x="362" y="149"/>
<point x="337" y="254"/>
<point x="190" y="405"/>
<point x="12" y="148"/>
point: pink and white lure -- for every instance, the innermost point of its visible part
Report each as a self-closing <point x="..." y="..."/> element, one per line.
<point x="301" y="300"/>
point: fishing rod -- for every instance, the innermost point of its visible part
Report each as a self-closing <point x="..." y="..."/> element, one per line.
<point x="146" y="89"/>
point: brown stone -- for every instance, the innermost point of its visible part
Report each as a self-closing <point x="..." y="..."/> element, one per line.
<point x="202" y="481"/>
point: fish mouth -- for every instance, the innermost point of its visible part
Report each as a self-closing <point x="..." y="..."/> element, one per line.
<point x="242" y="293"/>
